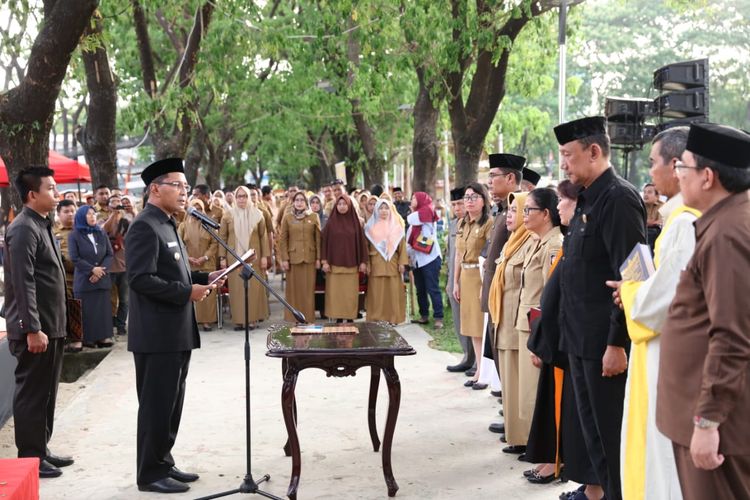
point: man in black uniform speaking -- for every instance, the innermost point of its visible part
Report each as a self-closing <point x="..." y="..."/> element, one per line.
<point x="609" y="220"/>
<point x="163" y="330"/>
<point x="35" y="316"/>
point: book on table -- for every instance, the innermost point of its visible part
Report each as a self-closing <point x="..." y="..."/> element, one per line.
<point x="639" y="265"/>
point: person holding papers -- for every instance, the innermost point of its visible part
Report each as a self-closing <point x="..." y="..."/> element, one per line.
<point x="647" y="460"/>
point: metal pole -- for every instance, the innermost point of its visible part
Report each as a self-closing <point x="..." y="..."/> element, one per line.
<point x="562" y="74"/>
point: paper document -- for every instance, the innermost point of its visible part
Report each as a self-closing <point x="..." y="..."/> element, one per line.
<point x="245" y="257"/>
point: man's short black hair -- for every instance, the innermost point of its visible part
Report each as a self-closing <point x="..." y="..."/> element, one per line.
<point x="65" y="203"/>
<point x="203" y="189"/>
<point x="30" y="179"/>
<point x="601" y="140"/>
<point x="265" y="190"/>
<point x="376" y="190"/>
<point x="114" y="196"/>
<point x="734" y="180"/>
<point x="101" y="186"/>
<point x="251" y="186"/>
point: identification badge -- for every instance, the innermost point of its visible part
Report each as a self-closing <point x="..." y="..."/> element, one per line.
<point x="171" y="244"/>
<point x="177" y="256"/>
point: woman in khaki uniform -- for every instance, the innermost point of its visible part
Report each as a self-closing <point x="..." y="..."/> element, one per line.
<point x="201" y="250"/>
<point x="472" y="236"/>
<point x="386" y="296"/>
<point x="243" y="228"/>
<point x="504" y="299"/>
<point x="299" y="251"/>
<point x="541" y="218"/>
<point x="343" y="255"/>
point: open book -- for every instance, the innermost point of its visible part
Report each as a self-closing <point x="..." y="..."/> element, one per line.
<point x="639" y="265"/>
<point x="247" y="256"/>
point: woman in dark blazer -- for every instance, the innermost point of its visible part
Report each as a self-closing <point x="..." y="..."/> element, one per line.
<point x="91" y="254"/>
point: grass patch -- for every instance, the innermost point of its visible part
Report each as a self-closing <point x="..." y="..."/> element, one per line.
<point x="443" y="339"/>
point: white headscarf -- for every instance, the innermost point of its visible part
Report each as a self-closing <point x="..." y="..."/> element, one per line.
<point x="245" y="221"/>
<point x="384" y="234"/>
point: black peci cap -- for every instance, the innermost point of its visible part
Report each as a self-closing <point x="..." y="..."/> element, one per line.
<point x="161" y="167"/>
<point x="580" y="129"/>
<point x="530" y="176"/>
<point x="720" y="143"/>
<point x="507" y="161"/>
<point x="457" y="194"/>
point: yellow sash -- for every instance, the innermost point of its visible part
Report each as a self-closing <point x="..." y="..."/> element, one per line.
<point x="634" y="467"/>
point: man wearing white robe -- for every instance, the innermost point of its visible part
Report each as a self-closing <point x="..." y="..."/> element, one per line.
<point x="647" y="460"/>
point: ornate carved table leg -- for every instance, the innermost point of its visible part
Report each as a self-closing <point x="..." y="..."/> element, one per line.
<point x="374" y="384"/>
<point x="394" y="400"/>
<point x="287" y="407"/>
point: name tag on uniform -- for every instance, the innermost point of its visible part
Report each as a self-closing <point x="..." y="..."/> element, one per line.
<point x="171" y="244"/>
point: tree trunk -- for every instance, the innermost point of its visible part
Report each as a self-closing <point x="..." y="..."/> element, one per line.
<point x="26" y="111"/>
<point x="467" y="153"/>
<point x="195" y="157"/>
<point x="425" y="146"/>
<point x="98" y="138"/>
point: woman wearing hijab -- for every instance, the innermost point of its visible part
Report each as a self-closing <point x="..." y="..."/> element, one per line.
<point x="343" y="255"/>
<point x="426" y="264"/>
<point x="201" y="250"/>
<point x="92" y="255"/>
<point x="299" y="251"/>
<point x="370" y="207"/>
<point x="504" y="299"/>
<point x="386" y="296"/>
<point x="316" y="207"/>
<point x="243" y="228"/>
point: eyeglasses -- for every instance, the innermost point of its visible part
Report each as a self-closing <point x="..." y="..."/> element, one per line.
<point x="472" y="197"/>
<point x="240" y="196"/>
<point x="177" y="185"/>
<point x="527" y="210"/>
<point x="501" y="174"/>
<point x="678" y="165"/>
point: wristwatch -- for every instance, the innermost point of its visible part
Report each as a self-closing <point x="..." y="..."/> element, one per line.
<point x="704" y="423"/>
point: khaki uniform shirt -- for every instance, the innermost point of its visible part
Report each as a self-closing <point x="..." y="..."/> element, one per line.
<point x="471" y="239"/>
<point x="704" y="368"/>
<point x="536" y="268"/>
<point x="300" y="239"/>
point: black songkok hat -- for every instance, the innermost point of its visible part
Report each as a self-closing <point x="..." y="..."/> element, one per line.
<point x="337" y="182"/>
<point x="726" y="145"/>
<point x="580" y="129"/>
<point x="507" y="161"/>
<point x="531" y="176"/>
<point x="457" y="194"/>
<point x="161" y="167"/>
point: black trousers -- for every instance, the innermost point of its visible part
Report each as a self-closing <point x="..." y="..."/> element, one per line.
<point x="160" y="383"/>
<point x="37" y="377"/>
<point x="600" y="403"/>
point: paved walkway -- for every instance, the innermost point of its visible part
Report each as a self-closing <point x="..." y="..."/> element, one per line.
<point x="441" y="448"/>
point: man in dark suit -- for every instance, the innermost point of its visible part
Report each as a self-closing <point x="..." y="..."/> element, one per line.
<point x="163" y="330"/>
<point x="35" y="315"/>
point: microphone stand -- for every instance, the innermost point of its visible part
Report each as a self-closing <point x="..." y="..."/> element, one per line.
<point x="249" y="485"/>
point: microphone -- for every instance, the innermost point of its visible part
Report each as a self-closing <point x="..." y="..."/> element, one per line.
<point x="205" y="219"/>
<point x="298" y="316"/>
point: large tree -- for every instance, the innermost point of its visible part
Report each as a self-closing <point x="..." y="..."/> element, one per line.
<point x="26" y="111"/>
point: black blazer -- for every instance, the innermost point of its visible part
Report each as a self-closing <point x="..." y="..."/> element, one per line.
<point x="162" y="318"/>
<point x="85" y="257"/>
<point x="34" y="278"/>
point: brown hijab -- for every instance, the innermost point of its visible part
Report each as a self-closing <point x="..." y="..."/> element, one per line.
<point x="344" y="241"/>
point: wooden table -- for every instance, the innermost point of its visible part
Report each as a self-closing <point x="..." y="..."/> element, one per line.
<point x="341" y="355"/>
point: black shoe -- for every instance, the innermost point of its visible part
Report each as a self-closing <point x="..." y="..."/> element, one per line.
<point x="522" y="457"/>
<point x="515" y="449"/>
<point x="501" y="412"/>
<point x="59" y="461"/>
<point x="461" y="367"/>
<point x="47" y="470"/>
<point x="470" y="372"/>
<point x="421" y="321"/>
<point x="479" y="387"/>
<point x="497" y="427"/>
<point x="166" y="485"/>
<point x="184" y="477"/>
<point x="529" y="473"/>
<point x="536" y="478"/>
<point x="502" y="438"/>
<point x="572" y="494"/>
<point x="469" y="383"/>
<point x="239" y="328"/>
<point x="497" y="394"/>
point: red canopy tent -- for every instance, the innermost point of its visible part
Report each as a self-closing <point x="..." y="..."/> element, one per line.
<point x="67" y="171"/>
